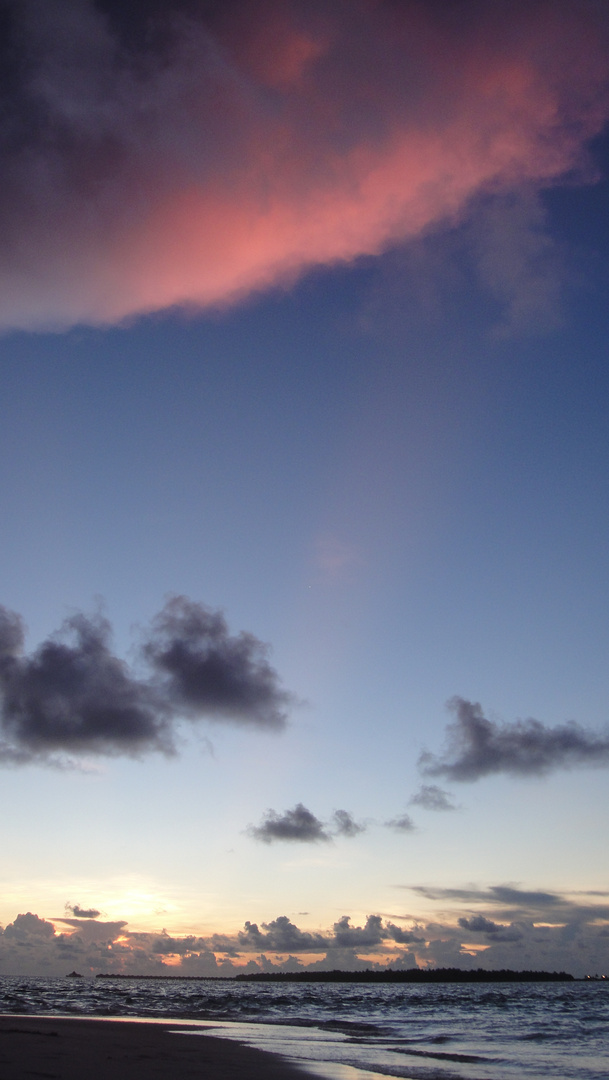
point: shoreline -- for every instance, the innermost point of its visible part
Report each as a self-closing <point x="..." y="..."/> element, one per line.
<point x="70" y="1048"/>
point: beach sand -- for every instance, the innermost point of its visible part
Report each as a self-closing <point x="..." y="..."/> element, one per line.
<point x="58" y="1048"/>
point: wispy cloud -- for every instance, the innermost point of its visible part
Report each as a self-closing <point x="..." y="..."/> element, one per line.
<point x="477" y="747"/>
<point x="346" y="825"/>
<point x="511" y="901"/>
<point x="432" y="797"/>
<point x="519" y="263"/>
<point x="403" y="823"/>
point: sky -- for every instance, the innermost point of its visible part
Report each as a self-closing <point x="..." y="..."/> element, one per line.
<point x="304" y="483"/>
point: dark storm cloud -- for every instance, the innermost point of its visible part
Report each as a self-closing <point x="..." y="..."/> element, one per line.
<point x="191" y="151"/>
<point x="432" y="797"/>
<point x="478" y="747"/>
<point x="298" y="825"/>
<point x="72" y="695"/>
<point x="206" y="671"/>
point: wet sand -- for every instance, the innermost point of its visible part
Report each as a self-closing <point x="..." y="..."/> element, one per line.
<point x="57" y="1048"/>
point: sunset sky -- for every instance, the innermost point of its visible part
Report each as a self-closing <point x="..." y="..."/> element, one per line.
<point x="304" y="484"/>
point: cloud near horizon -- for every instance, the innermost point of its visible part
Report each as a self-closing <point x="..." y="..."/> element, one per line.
<point x="550" y="931"/>
<point x="513" y="902"/>
<point x="188" y="154"/>
<point x="32" y="945"/>
<point x="477" y="747"/>
<point x="72" y="695"/>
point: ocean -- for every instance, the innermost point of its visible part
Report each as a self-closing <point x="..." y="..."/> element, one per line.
<point x="345" y="1031"/>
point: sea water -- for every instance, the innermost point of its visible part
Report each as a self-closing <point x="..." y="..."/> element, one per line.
<point x="347" y="1031"/>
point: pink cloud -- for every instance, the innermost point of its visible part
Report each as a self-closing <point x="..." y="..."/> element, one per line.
<point x="284" y="138"/>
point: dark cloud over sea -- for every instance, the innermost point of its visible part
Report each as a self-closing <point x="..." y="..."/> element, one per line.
<point x="73" y="696"/>
<point x="477" y="747"/>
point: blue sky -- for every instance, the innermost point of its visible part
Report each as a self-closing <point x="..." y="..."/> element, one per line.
<point x="391" y="468"/>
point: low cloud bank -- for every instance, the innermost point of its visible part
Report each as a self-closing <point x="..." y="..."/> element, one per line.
<point x="187" y="154"/>
<point x="73" y="696"/>
<point x="95" y="945"/>
<point x="495" y="927"/>
<point x="477" y="747"/>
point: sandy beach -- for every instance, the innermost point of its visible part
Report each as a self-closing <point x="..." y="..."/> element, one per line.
<point x="57" y="1048"/>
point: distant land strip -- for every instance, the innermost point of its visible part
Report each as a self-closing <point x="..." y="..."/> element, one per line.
<point x="411" y="975"/>
<point x="415" y="975"/>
